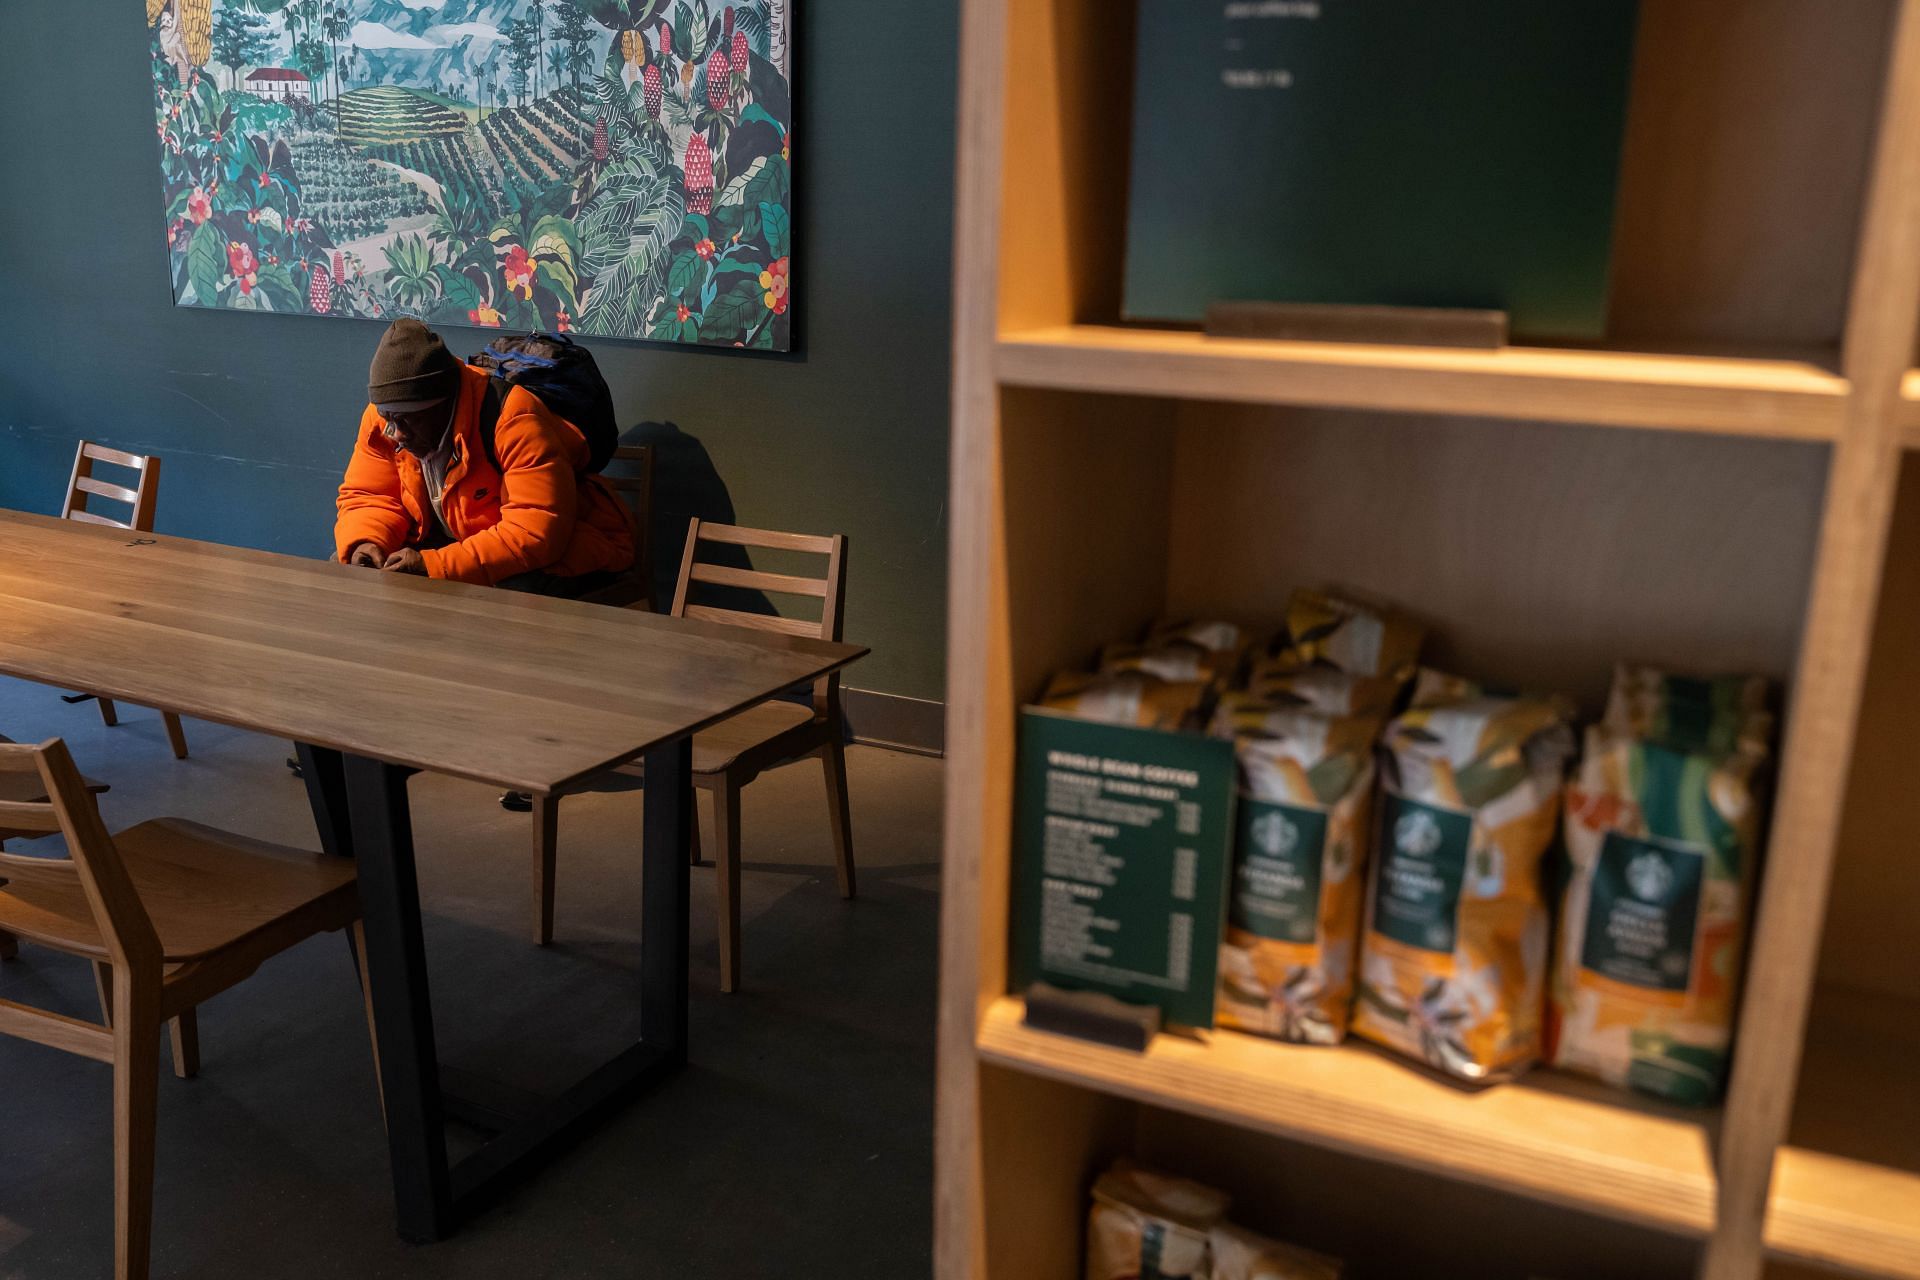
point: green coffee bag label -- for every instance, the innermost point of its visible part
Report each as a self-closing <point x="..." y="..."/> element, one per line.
<point x="1122" y="837"/>
<point x="1276" y="871"/>
<point x="1642" y="912"/>
<point x="1422" y="861"/>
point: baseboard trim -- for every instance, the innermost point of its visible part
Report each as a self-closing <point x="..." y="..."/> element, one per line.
<point x="895" y="722"/>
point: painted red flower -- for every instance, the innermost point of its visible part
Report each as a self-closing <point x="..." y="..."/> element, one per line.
<point x="484" y="315"/>
<point x="681" y="313"/>
<point x="773" y="287"/>
<point x="719" y="79"/>
<point x="705" y="249"/>
<point x="563" y="322"/>
<point x="199" y="206"/>
<point x="518" y="270"/>
<point x="244" y="265"/>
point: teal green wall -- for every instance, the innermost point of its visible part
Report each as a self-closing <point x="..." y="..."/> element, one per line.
<point x="254" y="415"/>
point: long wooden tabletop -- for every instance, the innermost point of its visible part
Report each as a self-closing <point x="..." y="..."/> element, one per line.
<point x="514" y="690"/>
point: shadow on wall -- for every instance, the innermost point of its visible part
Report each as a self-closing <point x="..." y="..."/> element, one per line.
<point x="687" y="485"/>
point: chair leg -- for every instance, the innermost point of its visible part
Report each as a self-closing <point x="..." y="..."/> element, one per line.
<point x="108" y="715"/>
<point x="693" y="833"/>
<point x="357" y="947"/>
<point x="175" y="734"/>
<point x="834" y="759"/>
<point x="136" y="1046"/>
<point x="184" y="1032"/>
<point x="726" y="841"/>
<point x="546" y="851"/>
<point x="9" y="946"/>
<point x="103" y="987"/>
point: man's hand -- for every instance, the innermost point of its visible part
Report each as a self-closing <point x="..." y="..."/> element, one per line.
<point x="366" y="556"/>
<point x="406" y="560"/>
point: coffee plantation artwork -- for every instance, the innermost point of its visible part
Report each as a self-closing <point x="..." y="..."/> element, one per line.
<point x="613" y="168"/>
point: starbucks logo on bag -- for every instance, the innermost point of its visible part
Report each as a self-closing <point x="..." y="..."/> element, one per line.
<point x="1275" y="836"/>
<point x="1416" y="834"/>
<point x="1650" y="878"/>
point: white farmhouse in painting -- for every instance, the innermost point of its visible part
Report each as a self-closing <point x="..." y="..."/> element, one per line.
<point x="280" y="84"/>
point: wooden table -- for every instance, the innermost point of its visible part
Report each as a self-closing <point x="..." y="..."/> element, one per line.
<point x="377" y="676"/>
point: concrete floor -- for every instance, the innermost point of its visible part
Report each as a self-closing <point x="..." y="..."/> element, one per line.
<point x="797" y="1143"/>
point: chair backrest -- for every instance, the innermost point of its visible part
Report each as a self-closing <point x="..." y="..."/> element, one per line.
<point x="92" y="863"/>
<point x="84" y="486"/>
<point x="635" y="488"/>
<point x="830" y="589"/>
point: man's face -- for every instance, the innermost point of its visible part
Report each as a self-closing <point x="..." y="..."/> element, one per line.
<point x="419" y="428"/>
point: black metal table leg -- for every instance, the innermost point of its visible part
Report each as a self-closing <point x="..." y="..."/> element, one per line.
<point x="664" y="888"/>
<point x="325" y="774"/>
<point x="402" y="1006"/>
<point x="360" y="808"/>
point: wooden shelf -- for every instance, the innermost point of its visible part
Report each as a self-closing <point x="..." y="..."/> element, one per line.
<point x="1549" y="1137"/>
<point x="1910" y="409"/>
<point x="1846" y="1188"/>
<point x="1772" y="398"/>
<point x="1845" y="1213"/>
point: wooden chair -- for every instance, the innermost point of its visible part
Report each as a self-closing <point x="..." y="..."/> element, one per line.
<point x="141" y="498"/>
<point x="731" y="754"/>
<point x="24" y="787"/>
<point x="635" y="488"/>
<point x="171" y="913"/>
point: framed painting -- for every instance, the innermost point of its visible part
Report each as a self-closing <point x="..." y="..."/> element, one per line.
<point x="610" y="168"/>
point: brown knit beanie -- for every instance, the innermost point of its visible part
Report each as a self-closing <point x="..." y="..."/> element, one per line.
<point x="410" y="366"/>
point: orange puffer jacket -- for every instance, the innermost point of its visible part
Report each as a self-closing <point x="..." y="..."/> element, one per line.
<point x="536" y="510"/>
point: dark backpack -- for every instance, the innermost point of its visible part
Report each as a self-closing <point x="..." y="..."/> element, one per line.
<point x="562" y="373"/>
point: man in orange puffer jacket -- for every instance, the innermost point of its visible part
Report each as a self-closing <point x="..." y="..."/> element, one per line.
<point x="424" y="495"/>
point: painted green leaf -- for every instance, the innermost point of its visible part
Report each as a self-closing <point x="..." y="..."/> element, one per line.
<point x="755" y="111"/>
<point x="736" y="191"/>
<point x="462" y="294"/>
<point x="768" y="184"/>
<point x="555" y="236"/>
<point x="684" y="271"/>
<point x="727" y="319"/>
<point x="777" y="223"/>
<point x="277" y="283"/>
<point x="206" y="263"/>
<point x="560" y="281"/>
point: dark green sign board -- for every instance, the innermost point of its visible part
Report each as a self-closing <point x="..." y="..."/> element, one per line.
<point x="1121" y="841"/>
<point x="1643" y="911"/>
<point x="1388" y="152"/>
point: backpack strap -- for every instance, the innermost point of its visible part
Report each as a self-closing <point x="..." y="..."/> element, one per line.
<point x="491" y="406"/>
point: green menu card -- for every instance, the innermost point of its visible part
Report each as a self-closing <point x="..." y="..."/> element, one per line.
<point x="1121" y="842"/>
<point x="1423" y="153"/>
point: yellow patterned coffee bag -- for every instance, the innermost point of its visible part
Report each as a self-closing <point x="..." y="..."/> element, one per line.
<point x="1148" y="1224"/>
<point x="1454" y="958"/>
<point x="1331" y="630"/>
<point x="1663" y="833"/>
<point x="1299" y="868"/>
<point x="1128" y="697"/>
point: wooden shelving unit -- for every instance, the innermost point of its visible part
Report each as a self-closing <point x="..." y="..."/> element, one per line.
<point x="1760" y="511"/>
